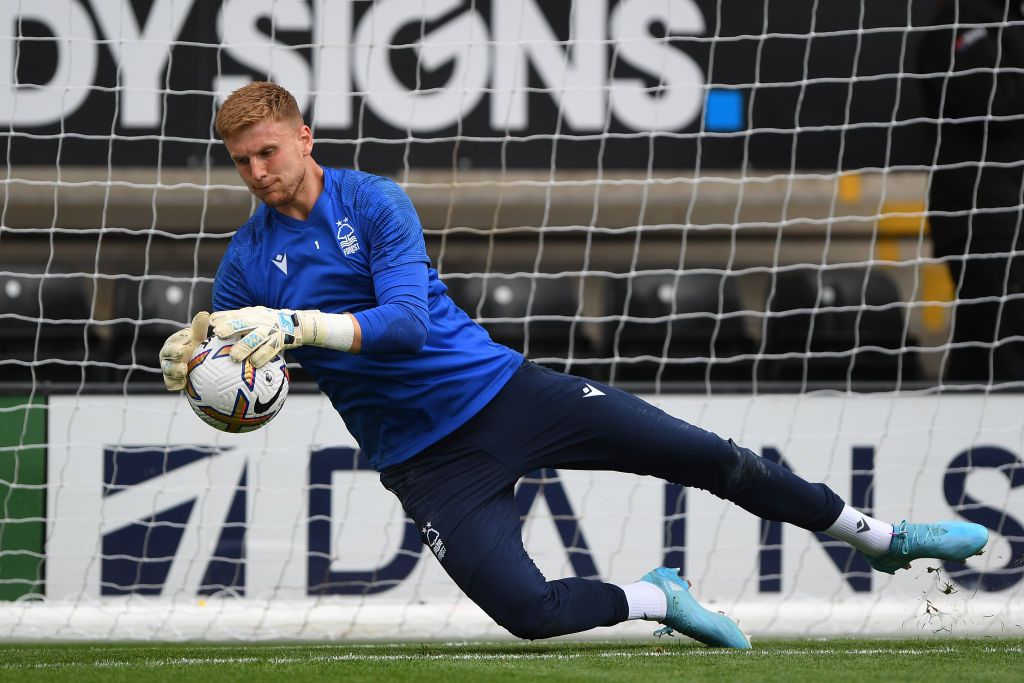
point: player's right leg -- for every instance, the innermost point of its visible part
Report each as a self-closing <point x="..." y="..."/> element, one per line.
<point x="461" y="496"/>
<point x="684" y="614"/>
<point x="483" y="552"/>
<point x="462" y="500"/>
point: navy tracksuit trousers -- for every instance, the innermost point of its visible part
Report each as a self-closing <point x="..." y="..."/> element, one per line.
<point x="460" y="491"/>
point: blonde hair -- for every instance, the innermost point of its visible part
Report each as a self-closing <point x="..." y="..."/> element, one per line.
<point x="254" y="103"/>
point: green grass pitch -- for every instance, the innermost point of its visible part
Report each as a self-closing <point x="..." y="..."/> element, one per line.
<point x="931" y="660"/>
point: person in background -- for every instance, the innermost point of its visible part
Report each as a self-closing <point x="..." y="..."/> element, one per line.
<point x="972" y="65"/>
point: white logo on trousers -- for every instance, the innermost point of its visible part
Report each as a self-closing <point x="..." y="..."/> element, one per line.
<point x="432" y="537"/>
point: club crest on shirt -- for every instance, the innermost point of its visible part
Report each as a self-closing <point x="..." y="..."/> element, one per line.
<point x="347" y="237"/>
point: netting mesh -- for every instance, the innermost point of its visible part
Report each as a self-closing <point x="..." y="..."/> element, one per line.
<point x="708" y="197"/>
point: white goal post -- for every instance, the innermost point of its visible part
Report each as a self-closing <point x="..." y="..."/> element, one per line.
<point x="744" y="214"/>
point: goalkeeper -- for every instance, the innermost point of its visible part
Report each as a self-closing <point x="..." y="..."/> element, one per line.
<point x="333" y="266"/>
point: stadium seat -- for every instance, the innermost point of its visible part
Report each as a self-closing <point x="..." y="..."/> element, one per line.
<point x="696" y="313"/>
<point x="148" y="312"/>
<point x="800" y="298"/>
<point x="46" y="321"/>
<point x="540" y="327"/>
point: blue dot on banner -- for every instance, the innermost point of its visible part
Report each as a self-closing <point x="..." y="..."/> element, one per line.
<point x="723" y="111"/>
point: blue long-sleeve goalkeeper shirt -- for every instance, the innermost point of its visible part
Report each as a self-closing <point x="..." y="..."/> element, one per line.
<point x="425" y="368"/>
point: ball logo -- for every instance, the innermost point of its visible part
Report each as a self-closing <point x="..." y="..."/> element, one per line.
<point x="231" y="396"/>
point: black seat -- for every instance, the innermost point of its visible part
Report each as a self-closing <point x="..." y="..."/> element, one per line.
<point x="851" y="309"/>
<point x="153" y="308"/>
<point x="47" y="327"/>
<point x="692" y="324"/>
<point x="533" y="315"/>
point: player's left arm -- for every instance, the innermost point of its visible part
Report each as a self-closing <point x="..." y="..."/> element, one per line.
<point x="399" y="323"/>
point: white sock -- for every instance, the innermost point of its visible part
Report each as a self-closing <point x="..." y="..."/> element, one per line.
<point x="645" y="600"/>
<point x="867" y="534"/>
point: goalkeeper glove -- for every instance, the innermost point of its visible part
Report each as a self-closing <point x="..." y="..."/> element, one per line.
<point x="266" y="332"/>
<point x="178" y="350"/>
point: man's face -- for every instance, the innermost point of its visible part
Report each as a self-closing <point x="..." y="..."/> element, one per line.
<point x="270" y="157"/>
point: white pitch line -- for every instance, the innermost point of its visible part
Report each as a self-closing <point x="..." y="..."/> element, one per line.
<point x="512" y="656"/>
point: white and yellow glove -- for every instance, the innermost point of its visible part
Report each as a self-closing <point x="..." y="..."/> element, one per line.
<point x="178" y="350"/>
<point x="266" y="332"/>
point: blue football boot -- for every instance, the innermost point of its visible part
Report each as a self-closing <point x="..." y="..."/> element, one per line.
<point x="949" y="541"/>
<point x="685" y="615"/>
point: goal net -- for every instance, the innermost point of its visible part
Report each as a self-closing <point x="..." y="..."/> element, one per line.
<point x="795" y="224"/>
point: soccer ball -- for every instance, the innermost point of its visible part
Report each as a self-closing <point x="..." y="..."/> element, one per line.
<point x="231" y="396"/>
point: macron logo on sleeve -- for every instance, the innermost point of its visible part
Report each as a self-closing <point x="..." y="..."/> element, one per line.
<point x="281" y="261"/>
<point x="589" y="391"/>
